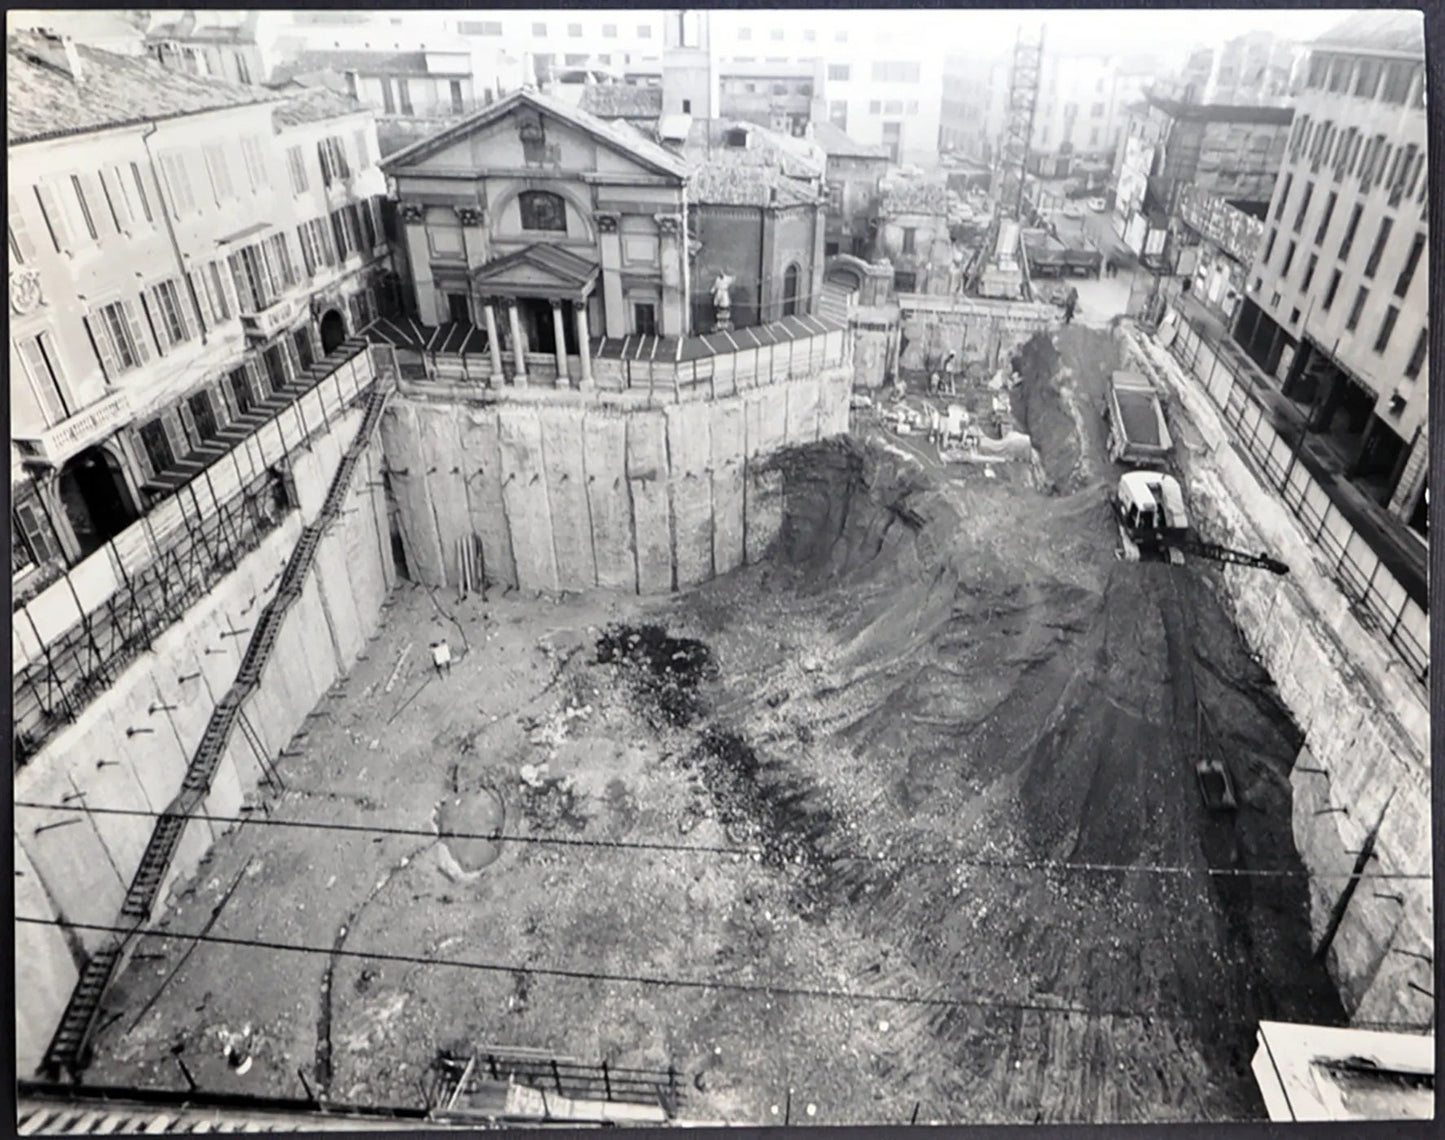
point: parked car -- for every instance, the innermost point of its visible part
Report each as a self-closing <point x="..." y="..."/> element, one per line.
<point x="1097" y="205"/>
<point x="1073" y="210"/>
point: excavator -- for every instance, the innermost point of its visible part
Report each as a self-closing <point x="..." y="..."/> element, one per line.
<point x="1154" y="525"/>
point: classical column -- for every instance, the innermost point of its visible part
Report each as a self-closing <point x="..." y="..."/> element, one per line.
<point x="672" y="321"/>
<point x="584" y="347"/>
<point x="609" y="241"/>
<point x="494" y="343"/>
<point x="413" y="224"/>
<point x="519" y="347"/>
<point x="559" y="330"/>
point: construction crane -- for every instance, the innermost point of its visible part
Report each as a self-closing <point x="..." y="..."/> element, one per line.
<point x="1012" y="173"/>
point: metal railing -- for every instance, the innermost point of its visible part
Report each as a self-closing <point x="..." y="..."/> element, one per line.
<point x="84" y="661"/>
<point x="1378" y="599"/>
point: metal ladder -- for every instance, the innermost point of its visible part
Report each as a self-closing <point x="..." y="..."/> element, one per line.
<point x="66" y="1052"/>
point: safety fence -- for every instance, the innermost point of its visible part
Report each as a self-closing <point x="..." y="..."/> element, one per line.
<point x="1379" y="600"/>
<point x="566" y="1077"/>
<point x="73" y="638"/>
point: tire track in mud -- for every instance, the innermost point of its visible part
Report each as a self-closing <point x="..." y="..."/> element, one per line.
<point x="323" y="1067"/>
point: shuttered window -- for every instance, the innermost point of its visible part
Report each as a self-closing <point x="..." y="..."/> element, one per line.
<point x="143" y="198"/>
<point x="54" y="215"/>
<point x="220" y="173"/>
<point x="113" y="187"/>
<point x="178" y="183"/>
<point x="22" y="248"/>
<point x="170" y="313"/>
<point x="120" y="337"/>
<point x="85" y="214"/>
<point x="252" y="152"/>
<point x="42" y="369"/>
<point x="221" y="303"/>
<point x="156" y="444"/>
<point x="282" y="264"/>
<point x="296" y="166"/>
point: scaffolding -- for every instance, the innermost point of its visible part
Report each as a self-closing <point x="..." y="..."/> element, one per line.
<point x="1023" y="98"/>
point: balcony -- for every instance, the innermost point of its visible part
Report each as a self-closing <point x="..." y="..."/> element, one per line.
<point x="58" y="443"/>
<point x="278" y="316"/>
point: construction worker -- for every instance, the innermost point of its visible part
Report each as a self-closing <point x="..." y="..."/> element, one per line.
<point x="949" y="366"/>
<point x="1071" y="302"/>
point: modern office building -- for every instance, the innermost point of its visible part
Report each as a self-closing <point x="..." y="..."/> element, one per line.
<point x="1338" y="298"/>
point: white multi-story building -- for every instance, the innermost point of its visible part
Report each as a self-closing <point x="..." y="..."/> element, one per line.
<point x="179" y="249"/>
<point x="1338" y="297"/>
<point x="1257" y="69"/>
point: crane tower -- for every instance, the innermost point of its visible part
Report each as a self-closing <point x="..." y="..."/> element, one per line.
<point x="1023" y="98"/>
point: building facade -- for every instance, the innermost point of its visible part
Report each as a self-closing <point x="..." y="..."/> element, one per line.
<point x="1258" y="69"/>
<point x="1231" y="152"/>
<point x="1338" y="300"/>
<point x="1223" y="242"/>
<point x="913" y="236"/>
<point x="179" y="249"/>
<point x="542" y="224"/>
<point x="853" y="173"/>
<point x="974" y="105"/>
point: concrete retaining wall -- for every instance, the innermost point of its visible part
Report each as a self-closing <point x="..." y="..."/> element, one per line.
<point x="580" y="492"/>
<point x="1366" y="725"/>
<point x="981" y="332"/>
<point x="79" y="871"/>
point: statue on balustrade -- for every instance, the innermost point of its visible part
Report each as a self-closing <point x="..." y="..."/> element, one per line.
<point x="722" y="303"/>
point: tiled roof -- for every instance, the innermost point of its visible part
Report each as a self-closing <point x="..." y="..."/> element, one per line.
<point x="618" y="132"/>
<point x="1402" y="32"/>
<point x="314" y="105"/>
<point x="622" y="101"/>
<point x="723" y="181"/>
<point x="841" y="144"/>
<point x="43" y="101"/>
<point x="913" y="197"/>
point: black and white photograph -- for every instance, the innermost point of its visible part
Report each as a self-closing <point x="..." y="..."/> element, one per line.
<point x="723" y="567"/>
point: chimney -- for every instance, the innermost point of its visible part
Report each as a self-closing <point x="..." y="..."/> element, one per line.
<point x="61" y="47"/>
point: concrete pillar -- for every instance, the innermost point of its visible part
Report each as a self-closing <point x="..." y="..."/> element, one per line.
<point x="610" y="245"/>
<point x="559" y="331"/>
<point x="519" y="347"/>
<point x="1412" y="478"/>
<point x="494" y="344"/>
<point x="584" y="347"/>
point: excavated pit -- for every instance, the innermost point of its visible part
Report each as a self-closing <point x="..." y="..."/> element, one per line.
<point x="911" y="808"/>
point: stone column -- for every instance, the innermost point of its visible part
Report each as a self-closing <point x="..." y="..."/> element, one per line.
<point x="584" y="348"/>
<point x="413" y="218"/>
<point x="610" y="247"/>
<point x="494" y="343"/>
<point x="559" y="331"/>
<point x="519" y="347"/>
<point x="672" y="321"/>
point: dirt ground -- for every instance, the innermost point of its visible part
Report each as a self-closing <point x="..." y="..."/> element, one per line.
<point x="941" y="688"/>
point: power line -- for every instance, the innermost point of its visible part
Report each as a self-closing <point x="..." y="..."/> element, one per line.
<point x="714" y="849"/>
<point x="654" y="980"/>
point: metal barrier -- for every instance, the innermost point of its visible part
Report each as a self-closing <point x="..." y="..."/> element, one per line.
<point x="1376" y="595"/>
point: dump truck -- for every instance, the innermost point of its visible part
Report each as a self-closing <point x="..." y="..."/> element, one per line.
<point x="1049" y="256"/>
<point x="1138" y="434"/>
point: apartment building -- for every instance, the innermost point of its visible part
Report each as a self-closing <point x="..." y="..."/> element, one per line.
<point x="179" y="248"/>
<point x="1082" y="107"/>
<point x="974" y="105"/>
<point x="1258" y="69"/>
<point x="1338" y="298"/>
<point x="555" y="40"/>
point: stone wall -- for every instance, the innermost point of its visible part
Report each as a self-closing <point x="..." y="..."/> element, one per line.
<point x="983" y="333"/>
<point x="569" y="490"/>
<point x="1366" y="723"/>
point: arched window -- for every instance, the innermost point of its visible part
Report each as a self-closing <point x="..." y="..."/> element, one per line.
<point x="543" y="211"/>
<point x="790" y="292"/>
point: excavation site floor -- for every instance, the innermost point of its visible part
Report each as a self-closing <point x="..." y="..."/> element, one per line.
<point x="904" y="820"/>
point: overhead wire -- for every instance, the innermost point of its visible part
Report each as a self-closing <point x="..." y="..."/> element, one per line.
<point x="661" y="981"/>
<point x="971" y="861"/>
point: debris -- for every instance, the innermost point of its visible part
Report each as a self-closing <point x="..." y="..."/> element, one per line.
<point x="396" y="670"/>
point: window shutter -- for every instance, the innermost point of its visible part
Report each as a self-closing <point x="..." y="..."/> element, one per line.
<point x="175" y="432"/>
<point x="54" y="217"/>
<point x="19" y="232"/>
<point x="184" y="303"/>
<point x="202" y="299"/>
<point x="325" y="164"/>
<point x="95" y="199"/>
<point x="104" y="350"/>
<point x="340" y="235"/>
<point x="137" y="331"/>
<point x="155" y="313"/>
<point x="307" y="256"/>
<point x="188" y="424"/>
<point x="37" y="533"/>
<point x="220" y="410"/>
<point x="115" y="192"/>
